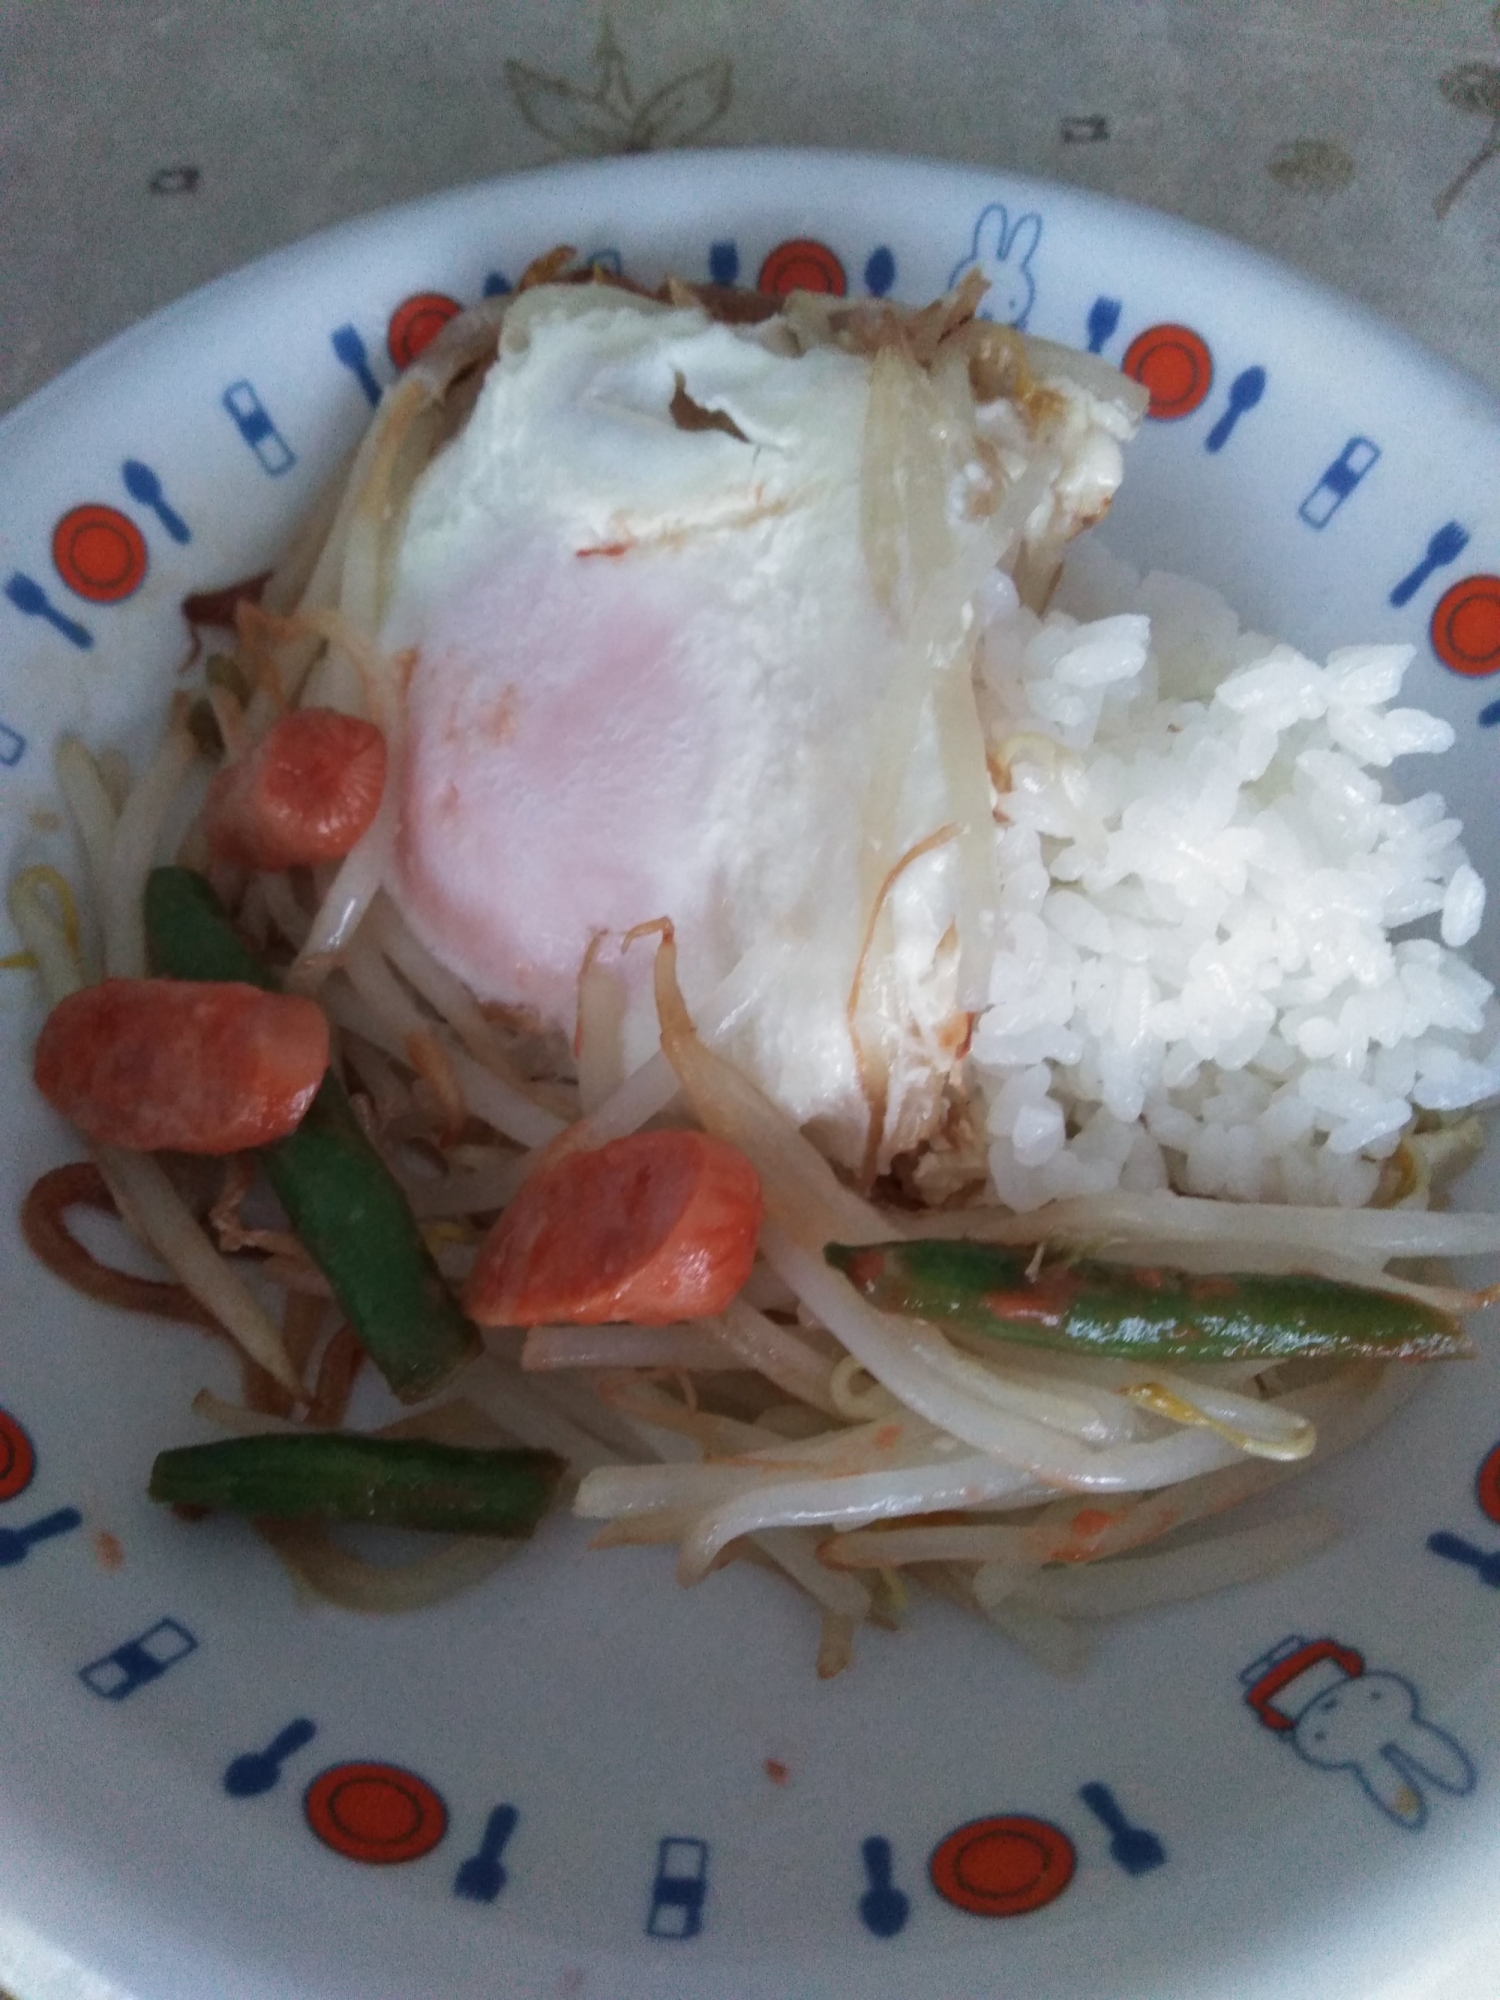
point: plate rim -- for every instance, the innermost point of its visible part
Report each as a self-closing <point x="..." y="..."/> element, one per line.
<point x="733" y="164"/>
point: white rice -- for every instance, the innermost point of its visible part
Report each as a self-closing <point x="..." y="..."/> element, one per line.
<point x="1207" y="975"/>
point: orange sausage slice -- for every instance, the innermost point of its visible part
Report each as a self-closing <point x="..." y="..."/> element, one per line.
<point x="305" y="792"/>
<point x="185" y="1066"/>
<point x="657" y="1227"/>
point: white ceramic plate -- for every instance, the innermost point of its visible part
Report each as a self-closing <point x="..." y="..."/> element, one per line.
<point x="628" y="1724"/>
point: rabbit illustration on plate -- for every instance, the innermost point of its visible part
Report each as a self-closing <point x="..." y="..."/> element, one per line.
<point x="1341" y="1718"/>
<point x="1001" y="252"/>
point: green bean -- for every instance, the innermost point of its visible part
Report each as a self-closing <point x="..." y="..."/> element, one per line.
<point x="340" y="1197"/>
<point x="189" y="935"/>
<point x="342" y="1476"/>
<point x="1087" y="1307"/>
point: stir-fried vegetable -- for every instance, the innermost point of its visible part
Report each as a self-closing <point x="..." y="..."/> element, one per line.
<point x="873" y="1448"/>
<point x="657" y="1227"/>
<point x="339" y="1195"/>
<point x="1143" y="1314"/>
<point x="340" y="1476"/>
<point x="305" y="792"/>
<point x="156" y="1065"/>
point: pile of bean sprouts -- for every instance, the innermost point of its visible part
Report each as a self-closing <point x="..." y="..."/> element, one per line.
<point x="856" y="1454"/>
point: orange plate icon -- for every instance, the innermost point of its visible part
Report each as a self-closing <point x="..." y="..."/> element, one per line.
<point x="1174" y="366"/>
<point x="415" y="322"/>
<point x="17" y="1459"/>
<point x="1003" y="1867"/>
<point x="99" y="552"/>
<point x="375" y="1812"/>
<point x="802" y="264"/>
<point x="1466" y="626"/>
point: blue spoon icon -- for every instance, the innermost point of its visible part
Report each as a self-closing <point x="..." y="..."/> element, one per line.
<point x="1245" y="391"/>
<point x="1456" y="1549"/>
<point x="883" y="1908"/>
<point x="28" y="596"/>
<point x="352" y="351"/>
<point x="1104" y="317"/>
<point x="256" y="1771"/>
<point x="481" y="1878"/>
<point x="15" y="1542"/>
<point x="142" y="484"/>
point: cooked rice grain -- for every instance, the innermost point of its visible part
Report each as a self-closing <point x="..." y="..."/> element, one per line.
<point x="1207" y="976"/>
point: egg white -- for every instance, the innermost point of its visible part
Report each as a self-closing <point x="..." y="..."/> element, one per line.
<point x="654" y="677"/>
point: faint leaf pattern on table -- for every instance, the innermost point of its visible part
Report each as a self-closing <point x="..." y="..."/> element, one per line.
<point x="1311" y="166"/>
<point x="605" y="118"/>
<point x="1472" y="86"/>
<point x="570" y="118"/>
<point x="683" y="110"/>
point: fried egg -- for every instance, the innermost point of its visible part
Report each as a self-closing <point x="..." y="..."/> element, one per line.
<point x="691" y="613"/>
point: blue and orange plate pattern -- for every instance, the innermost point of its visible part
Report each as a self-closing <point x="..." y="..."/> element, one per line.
<point x="607" y="1774"/>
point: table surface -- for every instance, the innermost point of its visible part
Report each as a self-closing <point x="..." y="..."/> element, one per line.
<point x="146" y="147"/>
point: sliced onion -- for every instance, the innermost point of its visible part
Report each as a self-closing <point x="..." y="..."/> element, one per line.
<point x="1345" y="1410"/>
<point x="1139" y="1583"/>
<point x="44" y="913"/>
<point x="291" y="583"/>
<point x="1059" y="1647"/>
<point x="122" y="901"/>
<point x="797" y="1555"/>
<point x="893" y="1546"/>
<point x="1163" y="1218"/>
<point x="94" y="815"/>
<point x="978" y="1480"/>
<point x="448" y="997"/>
<point x="597" y="1040"/>
<point x="777" y="1353"/>
<point x="330" y="1572"/>
<point x="800" y="1187"/>
<point x="375" y="1005"/>
<point x="284" y="910"/>
<point x="354" y="887"/>
<point x="437" y="1197"/>
<point x="245" y="1422"/>
<point x="920" y="1368"/>
<point x="622" y="1346"/>
<point x="835" y="1646"/>
<point x="149" y="1201"/>
<point x="503" y="1392"/>
<point x="45" y="1230"/>
<point x="1258" y="1429"/>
